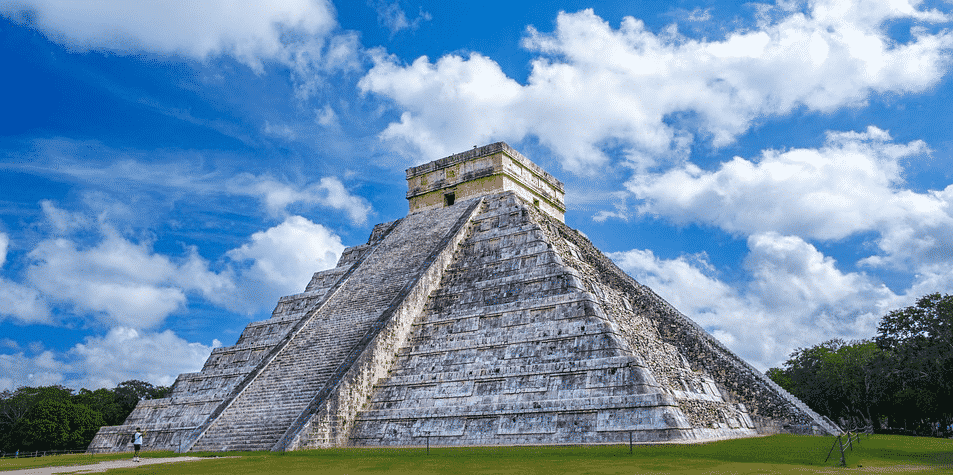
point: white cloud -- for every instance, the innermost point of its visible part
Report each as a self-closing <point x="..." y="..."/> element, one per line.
<point x="4" y="243"/>
<point x="853" y="184"/>
<point x="63" y="221"/>
<point x="178" y="172"/>
<point x="795" y="297"/>
<point x="278" y="196"/>
<point x="22" y="303"/>
<point x="588" y="86"/>
<point x="452" y="102"/>
<point x="326" y="116"/>
<point x="44" y="369"/>
<point x="250" y="31"/>
<point x="300" y="34"/>
<point x="392" y="16"/>
<point x="105" y="361"/>
<point x="18" y="301"/>
<point x="790" y="274"/>
<point x="311" y="59"/>
<point x="120" y="281"/>
<point x="125" y="353"/>
<point x="281" y="260"/>
<point x="282" y="131"/>
<point x="94" y="270"/>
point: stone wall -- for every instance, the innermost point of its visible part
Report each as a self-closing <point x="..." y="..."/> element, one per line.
<point x="482" y="171"/>
<point x="643" y="316"/>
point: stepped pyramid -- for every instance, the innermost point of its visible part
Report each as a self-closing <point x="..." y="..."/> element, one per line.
<point x="480" y="318"/>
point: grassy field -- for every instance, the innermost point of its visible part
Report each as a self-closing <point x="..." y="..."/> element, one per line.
<point x="775" y="454"/>
<point x="65" y="460"/>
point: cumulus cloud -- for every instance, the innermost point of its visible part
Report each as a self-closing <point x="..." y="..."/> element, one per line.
<point x="44" y="369"/>
<point x="105" y="361"/>
<point x="278" y="197"/>
<point x="18" y="301"/>
<point x="300" y="34"/>
<point x="853" y="184"/>
<point x="791" y="274"/>
<point x="250" y="31"/>
<point x="588" y="85"/>
<point x="125" y="353"/>
<point x="94" y="270"/>
<point x="795" y="297"/>
<point x="118" y="280"/>
<point x="451" y="102"/>
<point x="281" y="260"/>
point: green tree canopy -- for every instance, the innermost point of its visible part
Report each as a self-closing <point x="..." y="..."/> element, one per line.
<point x="54" y="418"/>
<point x="904" y="376"/>
<point x="56" y="424"/>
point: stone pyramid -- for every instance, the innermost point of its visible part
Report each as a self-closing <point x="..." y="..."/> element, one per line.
<point x="480" y="318"/>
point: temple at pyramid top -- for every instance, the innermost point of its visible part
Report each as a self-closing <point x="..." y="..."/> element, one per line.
<point x="484" y="171"/>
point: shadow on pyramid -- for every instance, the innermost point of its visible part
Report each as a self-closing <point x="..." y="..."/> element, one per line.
<point x="480" y="318"/>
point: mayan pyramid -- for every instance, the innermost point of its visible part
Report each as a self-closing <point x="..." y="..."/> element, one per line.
<point x="480" y="318"/>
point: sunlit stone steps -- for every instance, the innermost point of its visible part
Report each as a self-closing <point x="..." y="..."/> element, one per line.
<point x="288" y="384"/>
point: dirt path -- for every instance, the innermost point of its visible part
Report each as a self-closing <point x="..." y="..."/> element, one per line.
<point x="97" y="467"/>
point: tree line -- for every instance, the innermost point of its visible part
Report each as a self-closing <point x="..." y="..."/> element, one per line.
<point x="901" y="380"/>
<point x="55" y="418"/>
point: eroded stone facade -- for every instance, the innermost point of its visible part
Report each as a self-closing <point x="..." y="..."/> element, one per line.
<point x="480" y="172"/>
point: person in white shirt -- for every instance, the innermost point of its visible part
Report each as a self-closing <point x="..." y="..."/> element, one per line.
<point x="137" y="443"/>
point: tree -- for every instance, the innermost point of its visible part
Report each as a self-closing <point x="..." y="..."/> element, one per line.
<point x="56" y="425"/>
<point x="15" y="405"/>
<point x="904" y="376"/>
<point x="105" y="402"/>
<point x="919" y="339"/>
<point x="839" y="380"/>
<point x="53" y="418"/>
<point x="128" y="394"/>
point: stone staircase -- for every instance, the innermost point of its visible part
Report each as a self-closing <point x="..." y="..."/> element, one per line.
<point x="515" y="349"/>
<point x="172" y="423"/>
<point x="270" y="404"/>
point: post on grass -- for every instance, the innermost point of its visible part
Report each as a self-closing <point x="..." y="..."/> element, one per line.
<point x="834" y="446"/>
<point x="843" y="462"/>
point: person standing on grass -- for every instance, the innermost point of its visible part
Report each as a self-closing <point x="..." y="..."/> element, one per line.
<point x="137" y="444"/>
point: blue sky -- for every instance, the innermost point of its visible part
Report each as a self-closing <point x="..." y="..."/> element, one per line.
<point x="777" y="171"/>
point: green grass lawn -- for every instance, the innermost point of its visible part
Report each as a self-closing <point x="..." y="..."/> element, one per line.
<point x="775" y="454"/>
<point x="72" y="459"/>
